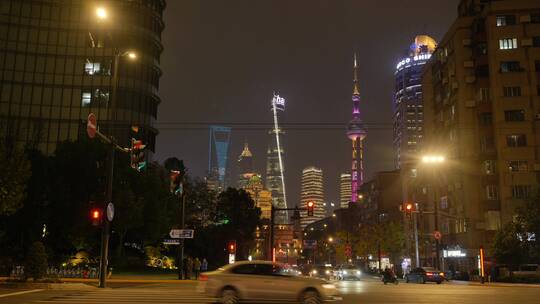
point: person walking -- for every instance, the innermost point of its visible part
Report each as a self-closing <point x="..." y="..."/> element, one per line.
<point x="189" y="268"/>
<point x="204" y="265"/>
<point x="197" y="267"/>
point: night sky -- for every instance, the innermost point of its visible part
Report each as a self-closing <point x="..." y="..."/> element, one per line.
<point x="222" y="60"/>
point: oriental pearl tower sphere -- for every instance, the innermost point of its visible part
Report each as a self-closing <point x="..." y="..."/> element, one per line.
<point x="356" y="133"/>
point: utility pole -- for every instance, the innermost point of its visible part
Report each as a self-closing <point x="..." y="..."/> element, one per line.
<point x="415" y="223"/>
<point x="182" y="226"/>
<point x="437" y="242"/>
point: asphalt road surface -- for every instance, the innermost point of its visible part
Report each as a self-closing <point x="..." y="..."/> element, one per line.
<point x="365" y="292"/>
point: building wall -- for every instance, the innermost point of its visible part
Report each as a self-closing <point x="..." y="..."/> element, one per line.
<point x="344" y="190"/>
<point x="465" y="103"/>
<point x="312" y="190"/>
<point x="57" y="68"/>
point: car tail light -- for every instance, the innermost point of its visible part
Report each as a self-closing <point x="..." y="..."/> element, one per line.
<point x="429" y="273"/>
<point x="203" y="277"/>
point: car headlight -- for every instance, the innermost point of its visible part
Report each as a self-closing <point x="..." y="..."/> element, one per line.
<point x="344" y="272"/>
<point x="327" y="272"/>
<point x="314" y="271"/>
<point x="329" y="286"/>
<point x="358" y="272"/>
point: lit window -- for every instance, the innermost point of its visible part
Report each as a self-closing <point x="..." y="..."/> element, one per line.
<point x="514" y="115"/>
<point x="489" y="167"/>
<point x="86" y="99"/>
<point x="91" y="68"/>
<point x="510" y="66"/>
<point x="508" y="43"/>
<point x="512" y="91"/>
<point x="492" y="192"/>
<point x="504" y="20"/>
<point x="521" y="191"/>
<point x="518" y="166"/>
<point x="516" y="140"/>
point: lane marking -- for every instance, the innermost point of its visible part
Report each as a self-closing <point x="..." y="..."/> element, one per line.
<point x="20" y="293"/>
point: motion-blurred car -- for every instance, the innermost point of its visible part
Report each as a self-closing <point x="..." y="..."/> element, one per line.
<point x="323" y="272"/>
<point x="253" y="281"/>
<point x="348" y="272"/>
<point x="425" y="274"/>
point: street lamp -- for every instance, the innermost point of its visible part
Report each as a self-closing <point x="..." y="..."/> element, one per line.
<point x="434" y="160"/>
<point x="330" y="239"/>
<point x="101" y="13"/>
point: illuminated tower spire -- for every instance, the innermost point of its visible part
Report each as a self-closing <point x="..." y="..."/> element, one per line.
<point x="356" y="134"/>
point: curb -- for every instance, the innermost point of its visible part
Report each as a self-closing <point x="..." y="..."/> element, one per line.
<point x="49" y="286"/>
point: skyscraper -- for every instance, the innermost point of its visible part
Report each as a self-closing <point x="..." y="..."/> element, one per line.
<point x="356" y="133"/>
<point x="245" y="166"/>
<point x="218" y="155"/>
<point x="58" y="66"/>
<point x="275" y="171"/>
<point x="312" y="191"/>
<point x="408" y="107"/>
<point x="344" y="190"/>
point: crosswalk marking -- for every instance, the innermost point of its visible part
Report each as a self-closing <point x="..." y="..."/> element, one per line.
<point x="131" y="295"/>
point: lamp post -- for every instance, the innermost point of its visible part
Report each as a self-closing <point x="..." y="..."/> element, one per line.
<point x="435" y="161"/>
<point x="101" y="15"/>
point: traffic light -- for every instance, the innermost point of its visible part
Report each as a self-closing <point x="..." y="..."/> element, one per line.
<point x="177" y="179"/>
<point x="96" y="216"/>
<point x="310" y="207"/>
<point x="138" y="161"/>
<point x="231" y="246"/>
<point x="407" y="208"/>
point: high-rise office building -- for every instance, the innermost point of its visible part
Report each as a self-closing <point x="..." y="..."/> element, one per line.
<point x="481" y="100"/>
<point x="275" y="170"/>
<point x="408" y="107"/>
<point x="356" y="133"/>
<point x="245" y="166"/>
<point x="312" y="191"/>
<point x="218" y="155"/>
<point x="59" y="65"/>
<point x="262" y="198"/>
<point x="344" y="190"/>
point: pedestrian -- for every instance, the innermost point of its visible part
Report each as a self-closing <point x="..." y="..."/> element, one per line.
<point x="185" y="268"/>
<point x="204" y="265"/>
<point x="197" y="267"/>
<point x="189" y="267"/>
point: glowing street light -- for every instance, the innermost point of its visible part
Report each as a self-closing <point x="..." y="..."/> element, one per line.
<point x="131" y="55"/>
<point x="101" y="13"/>
<point x="330" y="239"/>
<point x="433" y="159"/>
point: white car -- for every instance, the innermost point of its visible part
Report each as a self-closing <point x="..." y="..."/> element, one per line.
<point x="254" y="281"/>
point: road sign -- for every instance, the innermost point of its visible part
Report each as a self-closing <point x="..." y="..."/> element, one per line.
<point x="171" y="241"/>
<point x="110" y="212"/>
<point x="91" y="125"/>
<point x="181" y="233"/>
<point x="437" y="234"/>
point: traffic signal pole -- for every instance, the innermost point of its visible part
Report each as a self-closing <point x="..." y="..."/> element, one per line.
<point x="273" y="210"/>
<point x="105" y="233"/>
<point x="182" y="241"/>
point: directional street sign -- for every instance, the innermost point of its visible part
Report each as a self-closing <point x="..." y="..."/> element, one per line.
<point x="181" y="233"/>
<point x="91" y="125"/>
<point x="171" y="241"/>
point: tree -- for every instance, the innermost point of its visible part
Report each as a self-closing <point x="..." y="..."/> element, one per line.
<point x="36" y="261"/>
<point x="392" y="239"/>
<point x="15" y="174"/>
<point x="507" y="246"/>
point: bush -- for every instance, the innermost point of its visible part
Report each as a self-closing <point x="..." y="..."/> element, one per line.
<point x="36" y="261"/>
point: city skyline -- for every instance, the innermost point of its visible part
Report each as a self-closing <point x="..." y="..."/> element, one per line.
<point x="245" y="72"/>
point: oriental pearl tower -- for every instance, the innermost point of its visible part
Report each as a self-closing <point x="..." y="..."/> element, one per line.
<point x="357" y="134"/>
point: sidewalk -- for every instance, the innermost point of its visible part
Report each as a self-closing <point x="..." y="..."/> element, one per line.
<point x="120" y="279"/>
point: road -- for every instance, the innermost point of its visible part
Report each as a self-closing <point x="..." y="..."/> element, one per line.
<point x="365" y="292"/>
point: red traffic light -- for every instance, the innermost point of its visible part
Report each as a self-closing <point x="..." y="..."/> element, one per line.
<point x="310" y="204"/>
<point x="310" y="207"/>
<point x="231" y="246"/>
<point x="95" y="216"/>
<point x="409" y="207"/>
